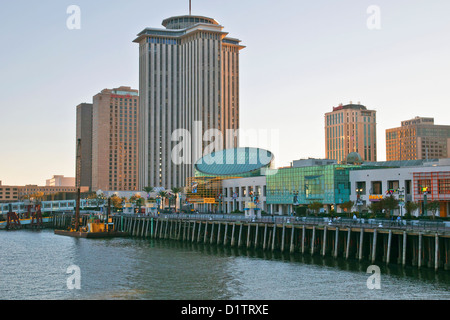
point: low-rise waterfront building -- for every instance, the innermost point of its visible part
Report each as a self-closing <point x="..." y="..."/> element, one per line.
<point x="408" y="181"/>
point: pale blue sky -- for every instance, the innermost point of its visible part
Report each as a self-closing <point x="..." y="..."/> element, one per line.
<point x="302" y="58"/>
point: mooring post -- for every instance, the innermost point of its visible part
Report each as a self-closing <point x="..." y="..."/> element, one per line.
<point x="336" y="243"/>
<point x="388" y="254"/>
<point x="419" y="258"/>
<point x="283" y="233"/>
<point x="349" y="234"/>
<point x="374" y="245"/>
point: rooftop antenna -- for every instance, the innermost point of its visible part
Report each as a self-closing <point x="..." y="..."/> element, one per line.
<point x="190" y="7"/>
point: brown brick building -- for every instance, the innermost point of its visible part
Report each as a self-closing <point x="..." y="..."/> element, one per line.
<point x="115" y="115"/>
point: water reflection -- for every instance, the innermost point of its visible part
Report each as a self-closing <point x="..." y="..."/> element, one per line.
<point x="120" y="269"/>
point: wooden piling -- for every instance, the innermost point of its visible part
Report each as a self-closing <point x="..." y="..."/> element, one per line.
<point x="193" y="231"/>
<point x="336" y="243"/>
<point x="436" y="252"/>
<point x="374" y="245"/>
<point x="303" y="238"/>
<point x="218" y="232"/>
<point x="419" y="255"/>
<point x="324" y="244"/>
<point x="248" y="235"/>
<point x="265" y="237"/>
<point x="233" y="241"/>
<point x="206" y="232"/>
<point x="240" y="235"/>
<point x="361" y="242"/>
<point x="225" y="235"/>
<point x="349" y="234"/>
<point x="274" y="236"/>
<point x="404" y="249"/>
<point x="292" y="247"/>
<point x="212" y="233"/>
<point x="388" y="254"/>
<point x="313" y="239"/>
<point x="256" y="236"/>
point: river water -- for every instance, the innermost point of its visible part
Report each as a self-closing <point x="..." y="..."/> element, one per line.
<point x="36" y="265"/>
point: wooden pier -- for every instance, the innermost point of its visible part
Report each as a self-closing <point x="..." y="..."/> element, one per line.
<point x="376" y="245"/>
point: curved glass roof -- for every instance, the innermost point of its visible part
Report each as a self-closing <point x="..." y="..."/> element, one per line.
<point x="234" y="162"/>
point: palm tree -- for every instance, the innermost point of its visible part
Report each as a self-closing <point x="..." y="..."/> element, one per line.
<point x="149" y="190"/>
<point x="177" y="191"/>
<point x="163" y="195"/>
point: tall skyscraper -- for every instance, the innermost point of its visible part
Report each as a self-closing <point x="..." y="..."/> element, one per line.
<point x="189" y="79"/>
<point x="416" y="139"/>
<point x="84" y="133"/>
<point x="351" y="128"/>
<point x="115" y="140"/>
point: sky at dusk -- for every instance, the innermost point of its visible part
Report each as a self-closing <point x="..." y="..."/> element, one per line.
<point x="302" y="58"/>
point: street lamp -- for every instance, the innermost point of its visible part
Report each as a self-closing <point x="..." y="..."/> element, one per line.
<point x="401" y="199"/>
<point x="359" y="191"/>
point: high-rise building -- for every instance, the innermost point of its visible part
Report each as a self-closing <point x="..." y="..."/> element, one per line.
<point x="348" y="129"/>
<point x="115" y="140"/>
<point x="84" y="133"/>
<point x="60" y="181"/>
<point x="418" y="139"/>
<point x="189" y="79"/>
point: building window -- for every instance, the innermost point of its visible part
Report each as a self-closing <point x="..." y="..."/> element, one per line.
<point x="444" y="186"/>
<point x="393" y="185"/>
<point x="377" y="187"/>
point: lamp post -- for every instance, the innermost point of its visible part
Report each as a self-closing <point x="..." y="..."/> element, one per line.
<point x="295" y="199"/>
<point x="401" y="199"/>
<point x="220" y="203"/>
<point x="359" y="191"/>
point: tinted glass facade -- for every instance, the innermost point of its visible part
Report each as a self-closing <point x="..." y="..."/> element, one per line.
<point x="324" y="184"/>
<point x="238" y="162"/>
